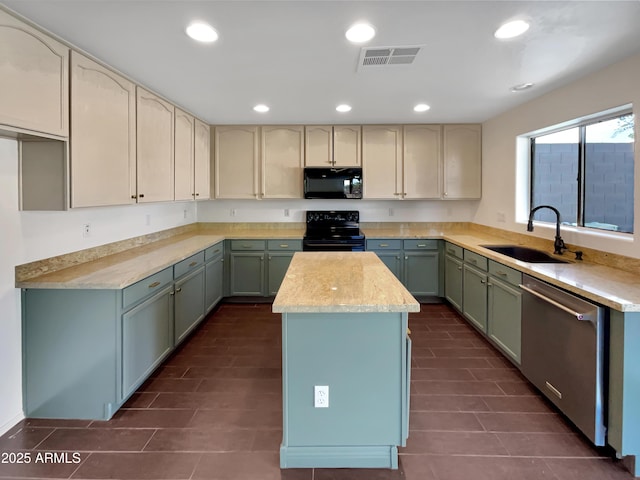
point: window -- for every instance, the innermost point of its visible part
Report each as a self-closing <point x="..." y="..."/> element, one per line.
<point x="586" y="172"/>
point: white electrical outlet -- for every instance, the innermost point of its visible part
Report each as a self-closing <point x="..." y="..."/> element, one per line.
<point x="286" y="212"/>
<point x="86" y="230"/>
<point x="391" y="212"/>
<point x="321" y="396"/>
<point x="232" y="212"/>
<point x="500" y="217"/>
<point x="184" y="213"/>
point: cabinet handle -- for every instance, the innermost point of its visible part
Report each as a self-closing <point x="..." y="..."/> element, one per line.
<point x="216" y="250"/>
<point x="141" y="195"/>
<point x="398" y="257"/>
<point x="197" y="194"/>
<point x="473" y="260"/>
<point x="489" y="284"/>
<point x="500" y="272"/>
<point x="396" y="193"/>
<point x="172" y="293"/>
<point x="459" y="268"/>
<point x="406" y="258"/>
<point x="154" y="284"/>
<point x="421" y="245"/>
<point x="284" y="245"/>
<point x="246" y="246"/>
<point x="134" y="196"/>
<point x="482" y="281"/>
<point x="382" y="245"/>
<point x="178" y="290"/>
<point x="451" y="251"/>
<point x="193" y="264"/>
<point x="270" y="257"/>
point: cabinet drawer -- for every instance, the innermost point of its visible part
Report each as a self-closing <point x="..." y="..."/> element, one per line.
<point x="421" y="244"/>
<point x="384" y="244"/>
<point x="139" y="290"/>
<point x="505" y="273"/>
<point x="287" y="245"/>
<point x="247" y="244"/>
<point x="188" y="264"/>
<point x="214" y="251"/>
<point x="476" y="260"/>
<point x="453" y="250"/>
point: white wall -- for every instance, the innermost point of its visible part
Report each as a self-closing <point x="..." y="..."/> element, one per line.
<point x="29" y="236"/>
<point x="370" y="210"/>
<point x="505" y="172"/>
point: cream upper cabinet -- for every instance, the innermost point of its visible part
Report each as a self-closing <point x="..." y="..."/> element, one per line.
<point x="382" y="161"/>
<point x="236" y="161"/>
<point x="319" y="146"/>
<point x="282" y="161"/>
<point x="103" y="135"/>
<point x="202" y="160"/>
<point x="155" y="142"/>
<point x="462" y="161"/>
<point x="34" y="79"/>
<point x="184" y="156"/>
<point x="346" y="146"/>
<point x="421" y="161"/>
<point x="333" y="146"/>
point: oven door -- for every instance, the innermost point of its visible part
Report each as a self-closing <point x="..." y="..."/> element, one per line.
<point x="334" y="245"/>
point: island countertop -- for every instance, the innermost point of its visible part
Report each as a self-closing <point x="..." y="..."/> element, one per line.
<point x="341" y="282"/>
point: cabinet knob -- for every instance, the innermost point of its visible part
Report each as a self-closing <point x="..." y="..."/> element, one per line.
<point x="197" y="194"/>
<point x="141" y="195"/>
<point x="459" y="268"/>
<point x="172" y="293"/>
<point x="178" y="290"/>
<point x="134" y="196"/>
<point x="482" y="281"/>
<point x="406" y="258"/>
<point x="270" y="257"/>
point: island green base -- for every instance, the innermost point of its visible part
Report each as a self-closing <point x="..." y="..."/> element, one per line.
<point x="339" y="457"/>
<point x="364" y="360"/>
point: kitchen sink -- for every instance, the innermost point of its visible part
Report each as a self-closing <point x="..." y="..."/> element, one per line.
<point x="525" y="254"/>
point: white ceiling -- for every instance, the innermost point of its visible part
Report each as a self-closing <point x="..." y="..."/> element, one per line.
<point x="293" y="55"/>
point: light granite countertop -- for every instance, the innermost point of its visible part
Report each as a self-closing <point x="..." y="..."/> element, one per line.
<point x="341" y="282"/>
<point x="612" y="287"/>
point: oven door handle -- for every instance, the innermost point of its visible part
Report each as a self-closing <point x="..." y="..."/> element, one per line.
<point x="578" y="315"/>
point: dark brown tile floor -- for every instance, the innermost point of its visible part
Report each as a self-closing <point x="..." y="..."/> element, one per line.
<point x="213" y="411"/>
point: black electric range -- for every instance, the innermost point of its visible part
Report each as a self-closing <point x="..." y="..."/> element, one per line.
<point x="333" y="231"/>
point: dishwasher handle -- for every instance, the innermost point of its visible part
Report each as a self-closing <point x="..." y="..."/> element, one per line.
<point x="578" y="315"/>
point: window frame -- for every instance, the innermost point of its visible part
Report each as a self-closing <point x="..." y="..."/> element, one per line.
<point x="582" y="125"/>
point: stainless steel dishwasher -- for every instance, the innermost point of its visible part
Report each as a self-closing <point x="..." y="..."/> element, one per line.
<point x="563" y="353"/>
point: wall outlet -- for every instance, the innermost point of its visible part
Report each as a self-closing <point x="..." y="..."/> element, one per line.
<point x="391" y="212"/>
<point x="232" y="212"/>
<point x="500" y="217"/>
<point x="184" y="213"/>
<point x="86" y="230"/>
<point x="321" y="396"/>
<point x="286" y="212"/>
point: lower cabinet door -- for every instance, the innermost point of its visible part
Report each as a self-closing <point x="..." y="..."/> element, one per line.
<point x="213" y="283"/>
<point x="453" y="281"/>
<point x="504" y="322"/>
<point x="278" y="265"/>
<point x="475" y="296"/>
<point x="246" y="273"/>
<point x="189" y="303"/>
<point x="421" y="275"/>
<point x="393" y="261"/>
<point x="147" y="337"/>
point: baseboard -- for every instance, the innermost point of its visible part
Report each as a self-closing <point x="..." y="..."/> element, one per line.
<point x="11" y="423"/>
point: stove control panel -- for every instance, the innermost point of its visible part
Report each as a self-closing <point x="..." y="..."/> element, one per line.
<point x="333" y="216"/>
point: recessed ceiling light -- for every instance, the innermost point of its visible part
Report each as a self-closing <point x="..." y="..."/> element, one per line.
<point x="343" y="108"/>
<point x="202" y="32"/>
<point x="521" y="87"/>
<point x="261" y="108"/>
<point x="421" y="107"/>
<point x="511" y="29"/>
<point x="360" y="33"/>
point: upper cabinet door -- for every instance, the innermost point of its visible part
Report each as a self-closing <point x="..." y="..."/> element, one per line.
<point x="319" y="146"/>
<point x="346" y="146"/>
<point x="382" y="161"/>
<point x="155" y="148"/>
<point x="202" y="161"/>
<point x="422" y="159"/>
<point x="34" y="79"/>
<point x="462" y="161"/>
<point x="236" y="161"/>
<point x="282" y="161"/>
<point x="103" y="135"/>
<point x="184" y="156"/>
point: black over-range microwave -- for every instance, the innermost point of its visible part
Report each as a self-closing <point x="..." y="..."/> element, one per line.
<point x="320" y="182"/>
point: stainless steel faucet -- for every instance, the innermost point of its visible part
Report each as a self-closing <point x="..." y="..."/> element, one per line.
<point x="558" y="244"/>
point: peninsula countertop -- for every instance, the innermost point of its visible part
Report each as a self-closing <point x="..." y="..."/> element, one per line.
<point x="341" y="282"/>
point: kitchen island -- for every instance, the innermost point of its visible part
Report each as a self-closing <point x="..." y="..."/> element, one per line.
<point x="344" y="328"/>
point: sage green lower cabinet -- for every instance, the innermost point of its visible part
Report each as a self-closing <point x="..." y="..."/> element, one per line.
<point x="189" y="298"/>
<point x="475" y="296"/>
<point x="257" y="267"/>
<point x="247" y="273"/>
<point x="504" y="311"/>
<point x="213" y="279"/>
<point x="416" y="263"/>
<point x="363" y="359"/>
<point x="623" y="431"/>
<point x="147" y="338"/>
<point x="453" y="281"/>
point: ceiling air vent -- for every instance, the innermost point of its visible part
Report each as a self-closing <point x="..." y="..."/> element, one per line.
<point x="387" y="56"/>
